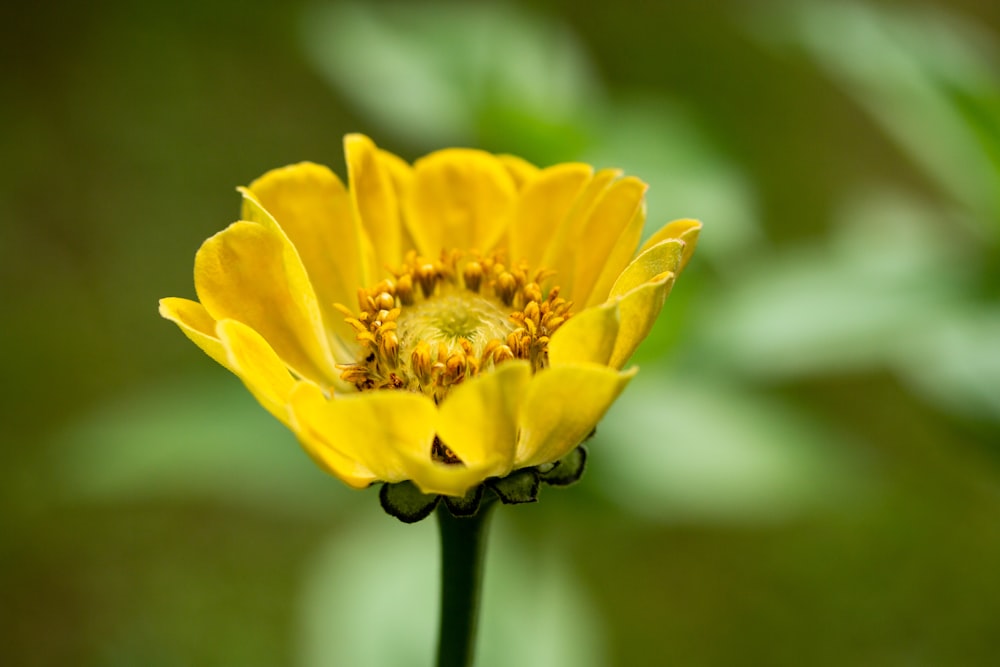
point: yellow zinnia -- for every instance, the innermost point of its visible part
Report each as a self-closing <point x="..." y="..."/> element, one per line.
<point x="445" y="322"/>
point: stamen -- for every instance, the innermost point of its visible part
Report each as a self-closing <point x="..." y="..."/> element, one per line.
<point x="471" y="313"/>
<point x="442" y="452"/>
<point x="473" y="275"/>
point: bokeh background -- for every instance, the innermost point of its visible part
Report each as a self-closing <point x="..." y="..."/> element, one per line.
<point x="805" y="472"/>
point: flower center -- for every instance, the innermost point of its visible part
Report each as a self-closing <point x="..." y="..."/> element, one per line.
<point x="438" y="322"/>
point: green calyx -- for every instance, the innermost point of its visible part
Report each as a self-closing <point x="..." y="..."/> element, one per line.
<point x="405" y="501"/>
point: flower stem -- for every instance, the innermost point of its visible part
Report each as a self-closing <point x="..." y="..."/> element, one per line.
<point x="463" y="544"/>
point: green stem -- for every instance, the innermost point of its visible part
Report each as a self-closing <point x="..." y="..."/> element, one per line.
<point x="463" y="544"/>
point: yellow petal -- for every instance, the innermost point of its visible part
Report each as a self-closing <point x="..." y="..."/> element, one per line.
<point x="260" y="368"/>
<point x="618" y="259"/>
<point x="383" y="431"/>
<point x="542" y="209"/>
<point x="460" y="198"/>
<point x="479" y="417"/>
<point x="249" y="272"/>
<point x="686" y="230"/>
<point x="401" y="174"/>
<point x="519" y="169"/>
<point x="450" y="480"/>
<point x="615" y="219"/>
<point x="312" y="207"/>
<point x="307" y="399"/>
<point x="376" y="203"/>
<point x="562" y="406"/>
<point x="639" y="309"/>
<point x="238" y="348"/>
<point x="664" y="257"/>
<point x="589" y="336"/>
<point x="197" y="325"/>
<point x="566" y="242"/>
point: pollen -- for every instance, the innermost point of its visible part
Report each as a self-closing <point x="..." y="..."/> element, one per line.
<point x="436" y="323"/>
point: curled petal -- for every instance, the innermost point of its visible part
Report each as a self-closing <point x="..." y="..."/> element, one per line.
<point x="237" y="347"/>
<point x="479" y="417"/>
<point x="587" y="337"/>
<point x="306" y="407"/>
<point x="251" y="273"/>
<point x="621" y="253"/>
<point x="664" y="257"/>
<point x="447" y="479"/>
<point x="611" y="229"/>
<point x="686" y="230"/>
<point x="252" y="359"/>
<point x="639" y="309"/>
<point x="562" y="406"/>
<point x="566" y="241"/>
<point x="311" y="206"/>
<point x="379" y="433"/>
<point x="640" y="291"/>
<point x="197" y="325"/>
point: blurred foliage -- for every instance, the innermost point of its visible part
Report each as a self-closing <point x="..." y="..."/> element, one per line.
<point x="372" y="578"/>
<point x="804" y="472"/>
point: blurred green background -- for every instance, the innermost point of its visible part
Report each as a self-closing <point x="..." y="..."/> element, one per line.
<point x="805" y="472"/>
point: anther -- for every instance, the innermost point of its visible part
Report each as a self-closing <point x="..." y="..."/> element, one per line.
<point x="385" y="301"/>
<point x="420" y="362"/>
<point x="501" y="354"/>
<point x="532" y="292"/>
<point x="531" y="311"/>
<point x="473" y="275"/>
<point x="404" y="289"/>
<point x="552" y="323"/>
<point x="442" y="453"/>
<point x="356" y="324"/>
<point x="488" y="351"/>
<point x="455" y="369"/>
<point x="506" y="285"/>
<point x="390" y="347"/>
<point x="427" y="276"/>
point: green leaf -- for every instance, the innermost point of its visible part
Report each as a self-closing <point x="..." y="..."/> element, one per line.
<point x="696" y="449"/>
<point x="202" y="436"/>
<point x="454" y="73"/>
<point x="370" y="598"/>
<point x="846" y="303"/>
<point x="925" y="74"/>
<point x="953" y="360"/>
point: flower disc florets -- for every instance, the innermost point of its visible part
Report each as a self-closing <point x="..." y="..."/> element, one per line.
<point x="437" y="323"/>
<point x="439" y="367"/>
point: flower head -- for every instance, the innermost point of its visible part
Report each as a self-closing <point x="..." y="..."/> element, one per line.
<point x="444" y="322"/>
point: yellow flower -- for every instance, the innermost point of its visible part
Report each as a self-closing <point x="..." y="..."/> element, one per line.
<point x="443" y="322"/>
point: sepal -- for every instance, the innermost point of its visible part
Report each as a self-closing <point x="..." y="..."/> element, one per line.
<point x="521" y="486"/>
<point x="404" y="501"/>
<point x="566" y="470"/>
<point x="467" y="505"/>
